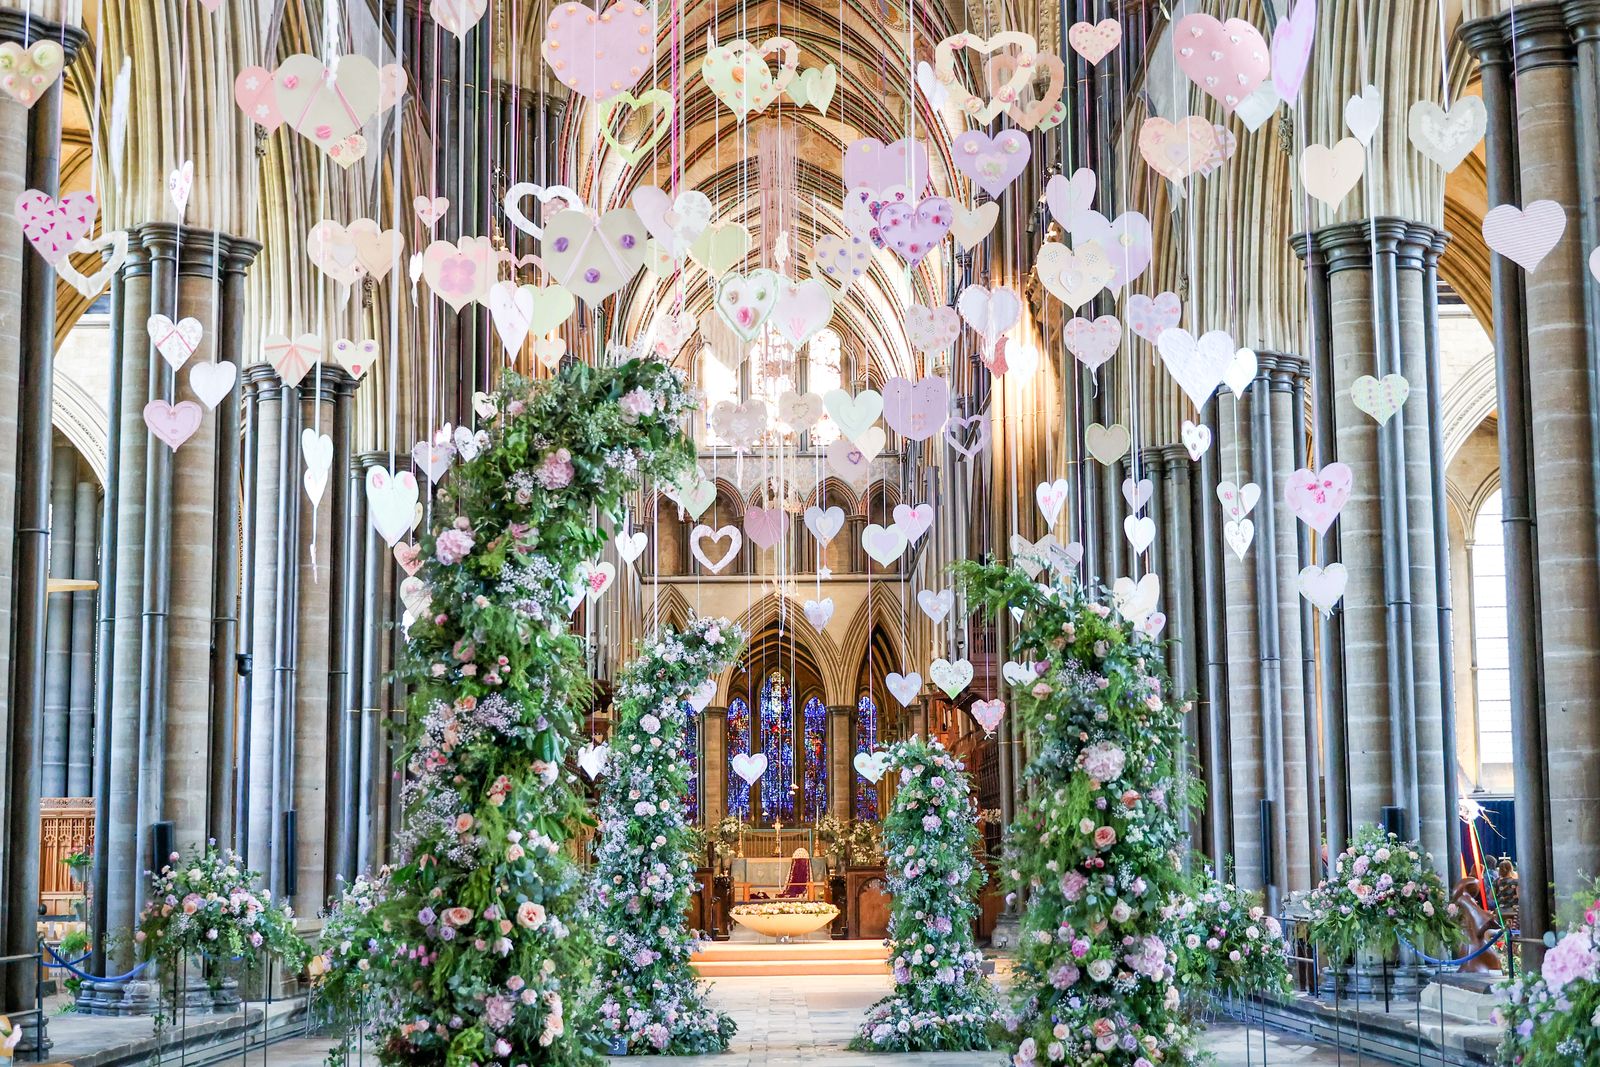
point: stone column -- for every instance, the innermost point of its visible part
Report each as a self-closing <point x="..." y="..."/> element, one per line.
<point x="714" y="771"/>
<point x="371" y="755"/>
<point x="80" y="699"/>
<point x="1213" y="688"/>
<point x="58" y="623"/>
<point x="841" y="765"/>
<point x="344" y="659"/>
<point x="263" y="589"/>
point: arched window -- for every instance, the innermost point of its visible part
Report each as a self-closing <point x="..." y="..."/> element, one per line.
<point x="689" y="749"/>
<point x="866" y="741"/>
<point x="1491" y="665"/>
<point x="738" y="745"/>
<point x="777" y="741"/>
<point x="815" y="759"/>
<point x="719" y="382"/>
<point x="822" y="376"/>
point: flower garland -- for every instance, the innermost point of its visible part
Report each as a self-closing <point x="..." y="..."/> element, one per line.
<point x="941" y="999"/>
<point x="1227" y="944"/>
<point x="484" y="944"/>
<point x="205" y="904"/>
<point x="1553" y="1020"/>
<point x="645" y="861"/>
<point x="1382" y="890"/>
<point x="1097" y="847"/>
<point x="786" y="907"/>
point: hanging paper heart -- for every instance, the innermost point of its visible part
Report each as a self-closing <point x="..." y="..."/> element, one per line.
<point x="1031" y="557"/>
<point x="596" y="579"/>
<point x="702" y="532"/>
<point x="1128" y="242"/>
<point x="511" y="204"/>
<point x="1016" y="673"/>
<point x="1074" y="276"/>
<point x="1137" y="493"/>
<point x="631" y="546"/>
<point x="26" y="73"/>
<point x="871" y="765"/>
<point x="1136" y="600"/>
<point x="1197" y="365"/>
<point x="675" y="222"/>
<point x="521" y="311"/>
<point x="840" y="261"/>
<point x="653" y="130"/>
<point x="956" y="432"/>
<point x="702" y="695"/>
<point x="1107" y="443"/>
<point x="944" y="68"/>
<point x="799" y="411"/>
<point x="854" y="415"/>
<point x="1330" y="173"/>
<point x="815" y="86"/>
<point x="1227" y="60"/>
<point x="1226" y="145"/>
<point x="1238" y="500"/>
<point x="737" y="73"/>
<point x="989" y="311"/>
<point x="1149" y="318"/>
<point x="317" y="450"/>
<point x="409" y="556"/>
<point x="695" y="498"/>
<point x="180" y="183"/>
<point x="749" y="767"/>
<point x="1095" y="40"/>
<point x="176" y="341"/>
<point x="1140" y="530"/>
<point x="355" y="356"/>
<point x="56" y="227"/>
<point x="1176" y="151"/>
<point x="1447" y="137"/>
<point x="332" y="249"/>
<point x="433" y="458"/>
<point x="1046" y="102"/>
<point x="294" y="359"/>
<point x="1196" y="439"/>
<point x="971" y="227"/>
<point x="1051" y="497"/>
<point x="1315" y="498"/>
<point x="916" y="410"/>
<point x="672" y="333"/>
<point x="720" y="248"/>
<point x="212" y="381"/>
<point x="1363" y="114"/>
<point x="951" y="677"/>
<point x="483" y="405"/>
<point x="1093" y="343"/>
<point x="257" y="97"/>
<point x="1380" y="398"/>
<point x="991" y="162"/>
<point x="173" y="423"/>
<point x="746" y="301"/>
<point x="1255" y="109"/>
<point x="1240" y="371"/>
<point x="1323" y="586"/>
<point x="931" y="87"/>
<point x="458" y="17"/>
<point x="904" y="688"/>
<point x="594" y="258"/>
<point x="741" y="425"/>
<point x="936" y="605"/>
<point x="885" y="544"/>
<point x="987" y="714"/>
<point x="1069" y="198"/>
<point x="593" y="758"/>
<point x="872" y="165"/>
<point x="599" y="56"/>
<point x="549" y="351"/>
<point x="802" y="309"/>
<point x="914" y="231"/>
<point x="932" y="330"/>
<point x="1291" y="49"/>
<point x="1238" y="533"/>
<point x="1525" y="235"/>
<point x="92" y="285"/>
<point x="460" y="273"/>
<point x="430" y="209"/>
<point x="766" y="527"/>
<point x="824" y="523"/>
<point x="913" y="521"/>
<point x="852" y="461"/>
<point x="377" y="249"/>
<point x="391" y="503"/>
<point x="330" y="106"/>
<point x="349" y="151"/>
<point x="417" y="598"/>
<point x="819" y="613"/>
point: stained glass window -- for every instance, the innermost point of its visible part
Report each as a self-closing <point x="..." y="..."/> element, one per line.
<point x="866" y="741"/>
<point x="777" y="741"/>
<point x="738" y="745"/>
<point x="689" y="748"/>
<point x="814" y="757"/>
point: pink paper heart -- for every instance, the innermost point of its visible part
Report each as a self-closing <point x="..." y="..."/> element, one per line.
<point x="1092" y="343"/>
<point x="54" y="227"/>
<point x="1128" y="243"/>
<point x="173" y="423"/>
<point x="408" y="556"/>
<point x="987" y="714"/>
<point x="599" y="55"/>
<point x="1148" y="317"/>
<point x="916" y="410"/>
<point x="1227" y="60"/>
<point x="1525" y="235"/>
<point x="254" y="92"/>
<point x="992" y="162"/>
<point x="430" y="209"/>
<point x="1316" y="497"/>
<point x="914" y="232"/>
<point x="955" y="433"/>
<point x="932" y="329"/>
<point x="1291" y="49"/>
<point x="766" y="526"/>
<point x="870" y="164"/>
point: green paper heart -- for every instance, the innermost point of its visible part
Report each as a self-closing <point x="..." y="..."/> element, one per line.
<point x="660" y="99"/>
<point x="720" y="247"/>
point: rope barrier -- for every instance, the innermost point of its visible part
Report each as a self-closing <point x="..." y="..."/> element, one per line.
<point x="71" y="966"/>
<point x="1454" y="963"/>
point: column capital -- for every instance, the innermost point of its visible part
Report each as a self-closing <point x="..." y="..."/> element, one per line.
<point x="200" y="253"/>
<point x="1350" y="245"/>
<point x="1583" y="19"/>
<point x="1155" y="461"/>
<point x="709" y="712"/>
<point x="1531" y="35"/>
<point x="262" y="378"/>
<point x="1282" y="368"/>
<point x="365" y="461"/>
<point x="19" y="27"/>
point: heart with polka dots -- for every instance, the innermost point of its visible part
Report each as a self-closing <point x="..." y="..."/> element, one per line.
<point x="600" y="54"/>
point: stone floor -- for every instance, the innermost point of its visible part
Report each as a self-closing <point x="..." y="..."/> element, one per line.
<point x="803" y="1021"/>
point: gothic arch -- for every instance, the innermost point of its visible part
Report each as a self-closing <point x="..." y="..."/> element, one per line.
<point x="877" y="612"/>
<point x="775" y="610"/>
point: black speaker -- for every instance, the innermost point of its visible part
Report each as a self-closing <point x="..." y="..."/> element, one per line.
<point x="163" y="843"/>
<point x="291" y="883"/>
<point x="1268" y="860"/>
<point x="1394" y="821"/>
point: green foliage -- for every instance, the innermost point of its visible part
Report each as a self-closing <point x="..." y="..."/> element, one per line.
<point x="1382" y="891"/>
<point x="645" y="860"/>
<point x="1553" y="1019"/>
<point x="1227" y="944"/>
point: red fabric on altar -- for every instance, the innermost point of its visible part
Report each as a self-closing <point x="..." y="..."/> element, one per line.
<point x="799" y="876"/>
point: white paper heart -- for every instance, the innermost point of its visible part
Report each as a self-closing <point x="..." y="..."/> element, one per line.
<point x="936" y="605"/>
<point x="1241" y="371"/>
<point x="904" y="688"/>
<point x="950" y="677"/>
<point x="1238" y="533"/>
<point x="1196" y="364"/>
<point x="702" y="532"/>
<point x="1140" y="530"/>
<point x="819" y="612"/>
<point x="592" y="759"/>
<point x="1364" y="114"/>
<point x="210" y="382"/>
<point x="176" y="341"/>
<point x="1051" y="497"/>
<point x="1323" y="586"/>
<point x="1196" y="438"/>
<point x="1447" y="138"/>
<point x="1380" y="398"/>
<point x="630" y="546"/>
<point x="567" y="197"/>
<point x="750" y="768"/>
<point x="824" y="523"/>
<point x="871" y="765"/>
<point x="1135" y="600"/>
<point x="1525" y="235"/>
<point x="913" y="520"/>
<point x="1018" y="673"/>
<point x="391" y="503"/>
<point x="883" y="543"/>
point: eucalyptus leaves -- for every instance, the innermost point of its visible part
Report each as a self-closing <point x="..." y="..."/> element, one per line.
<point x="645" y="862"/>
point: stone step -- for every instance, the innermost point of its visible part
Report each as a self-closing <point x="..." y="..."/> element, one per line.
<point x="787" y="968"/>
<point x="746" y="951"/>
<point x="1458" y="1003"/>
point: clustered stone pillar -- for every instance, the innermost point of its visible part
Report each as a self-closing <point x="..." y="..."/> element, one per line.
<point x="1372" y="317"/>
<point x="1541" y="84"/>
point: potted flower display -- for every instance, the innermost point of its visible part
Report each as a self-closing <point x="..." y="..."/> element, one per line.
<point x="1552" y="1019"/>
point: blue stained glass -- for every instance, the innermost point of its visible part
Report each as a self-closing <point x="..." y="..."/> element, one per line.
<point x="815" y="759"/>
<point x="689" y="748"/>
<point x="866" y="741"/>
<point x="738" y="745"/>
<point x="777" y="741"/>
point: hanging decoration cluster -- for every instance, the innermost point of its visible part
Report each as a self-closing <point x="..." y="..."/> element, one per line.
<point x="644" y="866"/>
<point x="486" y="949"/>
<point x="942" y="1000"/>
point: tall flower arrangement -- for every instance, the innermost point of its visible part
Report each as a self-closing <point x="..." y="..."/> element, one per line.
<point x="644" y="864"/>
<point x="1553" y="1019"/>
<point x="1382" y="891"/>
<point x="941" y="999"/>
<point x="1227" y="943"/>
<point x="1097" y="847"/>
<point x="483" y="947"/>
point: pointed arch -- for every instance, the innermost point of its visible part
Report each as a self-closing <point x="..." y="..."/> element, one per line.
<point x="782" y="619"/>
<point x="879" y="615"/>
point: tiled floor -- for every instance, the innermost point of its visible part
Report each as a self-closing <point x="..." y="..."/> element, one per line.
<point x="808" y="1021"/>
